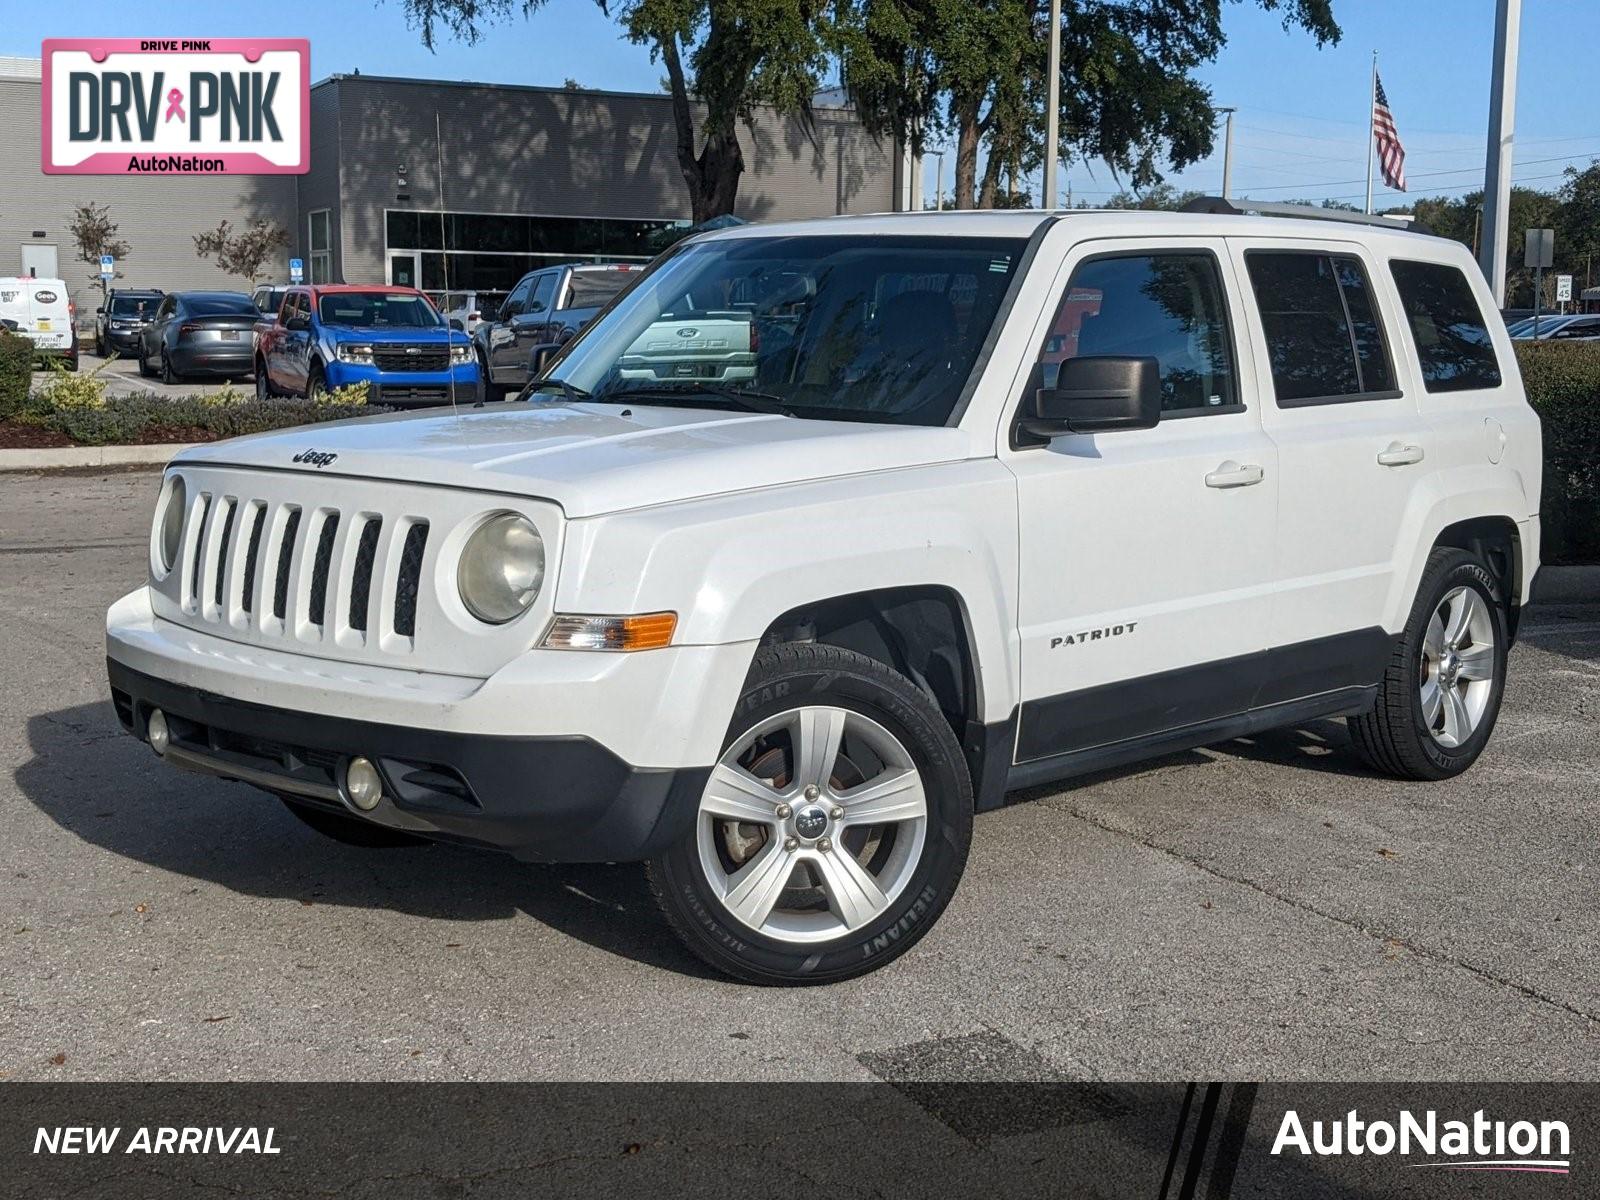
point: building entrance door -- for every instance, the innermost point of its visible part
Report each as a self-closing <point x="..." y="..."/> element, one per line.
<point x="405" y="268"/>
<point x="39" y="261"/>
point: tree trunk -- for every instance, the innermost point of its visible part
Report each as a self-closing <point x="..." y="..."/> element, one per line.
<point x="712" y="175"/>
<point x="966" y="154"/>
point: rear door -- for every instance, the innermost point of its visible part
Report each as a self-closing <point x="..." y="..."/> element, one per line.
<point x="1351" y="447"/>
<point x="502" y="333"/>
<point x="1146" y="555"/>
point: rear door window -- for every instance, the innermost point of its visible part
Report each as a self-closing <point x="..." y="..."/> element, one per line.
<point x="1453" y="343"/>
<point x="1325" y="339"/>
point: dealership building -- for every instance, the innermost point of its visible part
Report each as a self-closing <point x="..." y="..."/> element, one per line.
<point x="415" y="181"/>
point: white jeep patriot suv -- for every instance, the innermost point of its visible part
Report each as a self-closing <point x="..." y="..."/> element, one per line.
<point x="1010" y="497"/>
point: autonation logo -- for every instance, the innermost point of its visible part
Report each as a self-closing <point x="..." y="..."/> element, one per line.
<point x="1480" y="1144"/>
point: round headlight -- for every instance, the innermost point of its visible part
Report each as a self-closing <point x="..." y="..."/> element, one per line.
<point x="172" y="523"/>
<point x="502" y="566"/>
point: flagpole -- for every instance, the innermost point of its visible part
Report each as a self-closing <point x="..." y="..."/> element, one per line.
<point x="1372" y="108"/>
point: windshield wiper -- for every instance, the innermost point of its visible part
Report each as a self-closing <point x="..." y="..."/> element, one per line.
<point x="685" y="394"/>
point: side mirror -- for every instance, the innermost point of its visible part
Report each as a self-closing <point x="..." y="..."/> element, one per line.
<point x="455" y="323"/>
<point x="297" y="323"/>
<point x="101" y="311"/>
<point x="1097" y="395"/>
<point x="539" y="359"/>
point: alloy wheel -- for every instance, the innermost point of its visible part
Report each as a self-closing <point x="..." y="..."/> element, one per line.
<point x="1456" y="678"/>
<point x="812" y="824"/>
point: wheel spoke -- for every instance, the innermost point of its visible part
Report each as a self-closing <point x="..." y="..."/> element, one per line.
<point x="1432" y="702"/>
<point x="1457" y="722"/>
<point x="758" y="884"/>
<point x="853" y="894"/>
<point x="1433" y="639"/>
<point x="817" y="735"/>
<point x="736" y="794"/>
<point x="895" y="795"/>
<point x="1477" y="663"/>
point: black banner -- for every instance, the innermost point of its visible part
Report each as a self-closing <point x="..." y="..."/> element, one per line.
<point x="1156" y="1141"/>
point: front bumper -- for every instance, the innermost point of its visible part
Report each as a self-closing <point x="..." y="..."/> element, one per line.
<point x="548" y="799"/>
<point x="408" y="389"/>
<point x="558" y="756"/>
<point x="124" y="342"/>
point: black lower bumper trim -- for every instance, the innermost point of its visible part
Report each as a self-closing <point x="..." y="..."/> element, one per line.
<point x="550" y="799"/>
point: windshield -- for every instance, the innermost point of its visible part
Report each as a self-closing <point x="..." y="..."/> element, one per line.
<point x="866" y="328"/>
<point x="591" y="289"/>
<point x="134" y="306"/>
<point x="377" y="310"/>
<point x="214" y="306"/>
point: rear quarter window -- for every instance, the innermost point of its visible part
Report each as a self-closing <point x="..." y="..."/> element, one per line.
<point x="1454" y="348"/>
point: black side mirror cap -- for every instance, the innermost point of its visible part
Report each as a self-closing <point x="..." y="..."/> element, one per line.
<point x="455" y="323"/>
<point x="297" y="323"/>
<point x="1097" y="394"/>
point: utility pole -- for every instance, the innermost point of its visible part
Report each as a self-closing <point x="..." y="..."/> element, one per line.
<point x="1497" y="167"/>
<point x="1227" y="156"/>
<point x="938" y="184"/>
<point x="1052" y="109"/>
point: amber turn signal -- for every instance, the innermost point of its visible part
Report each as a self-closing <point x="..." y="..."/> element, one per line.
<point x="648" y="631"/>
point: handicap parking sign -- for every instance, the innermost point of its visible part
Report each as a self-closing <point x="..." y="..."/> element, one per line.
<point x="108" y="266"/>
<point x="297" y="270"/>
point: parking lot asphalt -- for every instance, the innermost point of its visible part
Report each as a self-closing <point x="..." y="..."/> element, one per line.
<point x="121" y="377"/>
<point x="1262" y="909"/>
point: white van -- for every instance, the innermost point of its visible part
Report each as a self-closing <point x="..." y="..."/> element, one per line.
<point x="40" y="309"/>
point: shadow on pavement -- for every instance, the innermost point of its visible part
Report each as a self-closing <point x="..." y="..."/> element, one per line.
<point x="95" y="781"/>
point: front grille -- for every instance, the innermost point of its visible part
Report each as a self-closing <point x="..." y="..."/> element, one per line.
<point x="280" y="569"/>
<point x="411" y="358"/>
<point x="432" y="394"/>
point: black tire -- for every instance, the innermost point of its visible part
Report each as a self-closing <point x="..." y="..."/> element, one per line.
<point x="1395" y="737"/>
<point x="263" y="384"/>
<point x="784" y="678"/>
<point x="144" y="363"/>
<point x="351" y="831"/>
<point x="492" y="393"/>
<point x="316" y="382"/>
<point x="100" y="349"/>
<point x="168" y="375"/>
<point x="72" y="363"/>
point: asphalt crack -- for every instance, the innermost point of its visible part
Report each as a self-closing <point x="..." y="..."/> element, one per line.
<point x="1381" y="936"/>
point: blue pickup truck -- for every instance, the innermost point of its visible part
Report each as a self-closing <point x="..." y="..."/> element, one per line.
<point x="329" y="336"/>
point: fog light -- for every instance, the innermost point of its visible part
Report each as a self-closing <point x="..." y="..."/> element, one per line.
<point x="363" y="784"/>
<point x="156" y="730"/>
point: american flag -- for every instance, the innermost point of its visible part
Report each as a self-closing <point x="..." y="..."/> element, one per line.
<point x="1391" y="154"/>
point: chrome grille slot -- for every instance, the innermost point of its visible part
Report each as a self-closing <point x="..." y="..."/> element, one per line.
<point x="286" y="544"/>
<point x="408" y="579"/>
<point x="361" y="579"/>
<point x="344" y="569"/>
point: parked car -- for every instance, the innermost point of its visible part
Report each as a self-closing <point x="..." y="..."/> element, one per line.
<point x="1553" y="327"/>
<point x="389" y="338"/>
<point x="119" y="322"/>
<point x="42" y="311"/>
<point x="268" y="298"/>
<point x="781" y="640"/>
<point x="198" y="333"/>
<point x="541" y="315"/>
<point x="470" y="308"/>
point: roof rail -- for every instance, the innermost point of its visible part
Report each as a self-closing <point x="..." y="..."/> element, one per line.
<point x="1218" y="204"/>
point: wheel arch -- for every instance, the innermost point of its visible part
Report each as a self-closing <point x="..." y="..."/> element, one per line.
<point x="1497" y="541"/>
<point x="924" y="632"/>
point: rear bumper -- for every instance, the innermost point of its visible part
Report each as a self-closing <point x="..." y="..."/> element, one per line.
<point x="228" y="359"/>
<point x="554" y="799"/>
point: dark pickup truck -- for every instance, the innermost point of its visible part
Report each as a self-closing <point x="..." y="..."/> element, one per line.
<point x="541" y="314"/>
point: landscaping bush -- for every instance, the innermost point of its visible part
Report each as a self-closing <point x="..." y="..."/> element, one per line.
<point x="16" y="371"/>
<point x="1563" y="384"/>
<point x="124" y="419"/>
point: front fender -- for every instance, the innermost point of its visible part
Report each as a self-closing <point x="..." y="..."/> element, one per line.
<point x="729" y="565"/>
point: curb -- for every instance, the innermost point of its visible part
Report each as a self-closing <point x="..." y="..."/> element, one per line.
<point x="1567" y="585"/>
<point x="55" y="458"/>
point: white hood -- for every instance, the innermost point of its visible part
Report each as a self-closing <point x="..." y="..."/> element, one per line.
<point x="593" y="458"/>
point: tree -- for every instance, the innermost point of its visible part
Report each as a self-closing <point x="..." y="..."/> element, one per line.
<point x="96" y="234"/>
<point x="727" y="55"/>
<point x="243" y="252"/>
<point x="976" y="69"/>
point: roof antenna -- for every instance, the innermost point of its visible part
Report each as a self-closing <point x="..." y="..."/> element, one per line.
<point x="444" y="257"/>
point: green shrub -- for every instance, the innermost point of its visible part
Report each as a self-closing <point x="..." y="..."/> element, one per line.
<point x="16" y="373"/>
<point x="72" y="389"/>
<point x="120" y="420"/>
<point x="1563" y="384"/>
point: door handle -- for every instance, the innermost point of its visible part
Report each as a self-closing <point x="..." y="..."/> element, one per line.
<point x="1400" y="454"/>
<point x="1231" y="475"/>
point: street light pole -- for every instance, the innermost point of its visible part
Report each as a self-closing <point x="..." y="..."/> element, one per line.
<point x="1497" y="166"/>
<point x="1052" y="109"/>
<point x="1227" y="156"/>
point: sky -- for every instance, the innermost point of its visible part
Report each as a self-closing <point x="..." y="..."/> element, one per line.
<point x="1299" y="133"/>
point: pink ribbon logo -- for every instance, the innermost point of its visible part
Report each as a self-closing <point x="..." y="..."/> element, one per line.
<point x="175" y="105"/>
